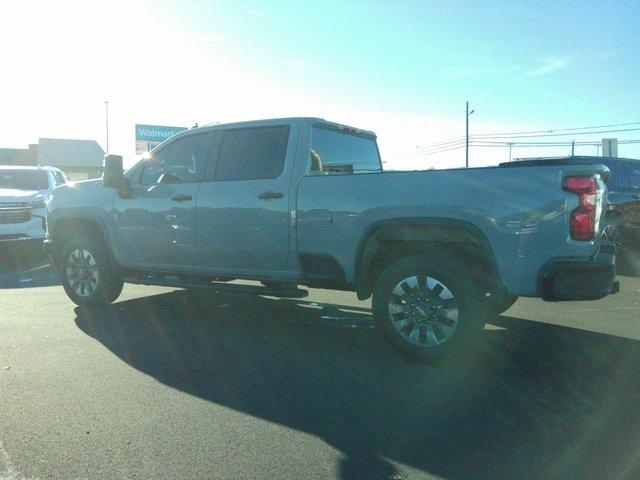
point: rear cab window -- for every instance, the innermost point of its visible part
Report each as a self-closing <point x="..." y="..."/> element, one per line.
<point x="342" y="150"/>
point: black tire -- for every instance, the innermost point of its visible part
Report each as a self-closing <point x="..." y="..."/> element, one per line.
<point x="428" y="304"/>
<point x="500" y="304"/>
<point x="94" y="256"/>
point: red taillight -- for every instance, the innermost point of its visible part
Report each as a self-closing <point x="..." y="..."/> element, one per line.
<point x="583" y="223"/>
<point x="580" y="185"/>
<point x="585" y="218"/>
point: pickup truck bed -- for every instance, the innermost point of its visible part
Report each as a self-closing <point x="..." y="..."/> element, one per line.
<point x="519" y="216"/>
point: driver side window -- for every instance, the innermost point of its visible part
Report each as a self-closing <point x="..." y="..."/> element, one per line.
<point x="181" y="161"/>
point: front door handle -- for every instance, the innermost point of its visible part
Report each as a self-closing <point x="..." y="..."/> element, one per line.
<point x="181" y="197"/>
<point x="270" y="195"/>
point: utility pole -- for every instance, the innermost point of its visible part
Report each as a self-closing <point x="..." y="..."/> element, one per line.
<point x="467" y="136"/>
<point x="573" y="145"/>
<point x="106" y="107"/>
<point x="510" y="145"/>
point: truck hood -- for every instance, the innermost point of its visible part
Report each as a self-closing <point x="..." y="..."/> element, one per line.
<point x="90" y="183"/>
<point x="9" y="195"/>
<point x="79" y="186"/>
<point x="88" y="196"/>
<point x="84" y="188"/>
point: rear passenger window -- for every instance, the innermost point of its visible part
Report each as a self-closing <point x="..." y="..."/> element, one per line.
<point x="334" y="151"/>
<point x="252" y="153"/>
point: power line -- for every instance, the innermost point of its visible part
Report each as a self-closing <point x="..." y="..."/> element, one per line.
<point x="473" y="142"/>
<point x="562" y="129"/>
<point x="454" y="142"/>
<point x="435" y="145"/>
<point x="541" y="146"/>
<point x="442" y="149"/>
<point x="544" y="144"/>
<point x="529" y="134"/>
<point x="462" y="144"/>
<point x="557" y="134"/>
<point x="443" y="143"/>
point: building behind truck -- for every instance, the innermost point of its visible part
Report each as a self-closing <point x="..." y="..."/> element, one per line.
<point x="78" y="159"/>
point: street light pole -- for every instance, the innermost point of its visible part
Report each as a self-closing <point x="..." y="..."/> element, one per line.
<point x="466" y="156"/>
<point x="467" y="136"/>
<point x="106" y="107"/>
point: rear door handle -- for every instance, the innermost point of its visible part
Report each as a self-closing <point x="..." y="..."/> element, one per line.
<point x="635" y="195"/>
<point x="181" y="197"/>
<point x="270" y="195"/>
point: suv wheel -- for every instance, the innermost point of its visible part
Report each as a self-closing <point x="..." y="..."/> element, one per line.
<point x="88" y="275"/>
<point x="428" y="307"/>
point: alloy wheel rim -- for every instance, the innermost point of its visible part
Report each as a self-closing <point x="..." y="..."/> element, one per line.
<point x="423" y="311"/>
<point x="82" y="272"/>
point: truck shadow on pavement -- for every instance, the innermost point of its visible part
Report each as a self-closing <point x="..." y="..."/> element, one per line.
<point x="536" y="401"/>
<point x="628" y="263"/>
<point x="39" y="276"/>
<point x="24" y="265"/>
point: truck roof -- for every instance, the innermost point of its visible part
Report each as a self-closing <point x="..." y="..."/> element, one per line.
<point x="275" y="121"/>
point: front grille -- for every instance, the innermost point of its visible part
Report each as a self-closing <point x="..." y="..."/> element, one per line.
<point x="14" y="213"/>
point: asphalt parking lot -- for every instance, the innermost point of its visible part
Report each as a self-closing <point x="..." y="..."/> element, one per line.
<point x="173" y="384"/>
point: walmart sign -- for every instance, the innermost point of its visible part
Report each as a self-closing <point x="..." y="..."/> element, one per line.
<point x="150" y="136"/>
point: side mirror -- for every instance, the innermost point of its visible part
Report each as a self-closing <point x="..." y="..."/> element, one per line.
<point x="112" y="176"/>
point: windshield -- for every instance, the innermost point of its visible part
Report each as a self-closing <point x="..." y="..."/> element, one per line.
<point x="24" y="179"/>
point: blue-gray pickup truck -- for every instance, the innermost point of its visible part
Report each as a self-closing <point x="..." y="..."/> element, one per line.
<point x="305" y="202"/>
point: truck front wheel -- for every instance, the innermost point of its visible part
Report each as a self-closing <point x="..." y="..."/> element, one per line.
<point x="428" y="307"/>
<point x="87" y="272"/>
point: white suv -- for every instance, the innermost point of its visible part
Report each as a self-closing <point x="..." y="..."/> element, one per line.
<point x="23" y="193"/>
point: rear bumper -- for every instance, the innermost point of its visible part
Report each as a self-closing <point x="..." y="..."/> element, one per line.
<point x="579" y="280"/>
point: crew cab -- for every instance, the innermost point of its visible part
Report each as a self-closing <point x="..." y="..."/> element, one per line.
<point x="305" y="202"/>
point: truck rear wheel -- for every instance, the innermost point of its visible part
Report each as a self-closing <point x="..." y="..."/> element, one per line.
<point x="88" y="275"/>
<point x="428" y="307"/>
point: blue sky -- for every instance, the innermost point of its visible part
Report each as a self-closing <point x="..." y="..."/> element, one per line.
<point x="401" y="68"/>
<point x="515" y="59"/>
